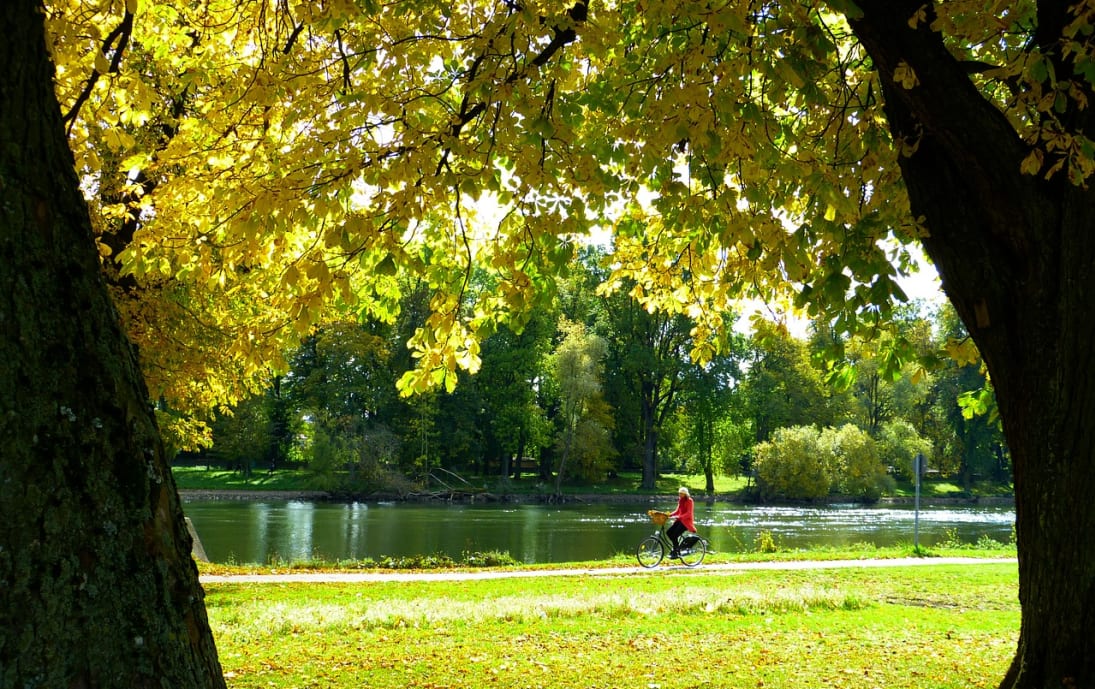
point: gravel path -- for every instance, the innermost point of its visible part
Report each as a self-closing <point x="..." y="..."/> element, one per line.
<point x="727" y="568"/>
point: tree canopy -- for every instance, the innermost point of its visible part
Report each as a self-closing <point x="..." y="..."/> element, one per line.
<point x="253" y="165"/>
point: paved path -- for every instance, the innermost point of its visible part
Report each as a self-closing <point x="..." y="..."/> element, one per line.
<point x="726" y="568"/>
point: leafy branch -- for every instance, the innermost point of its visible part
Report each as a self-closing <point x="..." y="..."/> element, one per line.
<point x="117" y="41"/>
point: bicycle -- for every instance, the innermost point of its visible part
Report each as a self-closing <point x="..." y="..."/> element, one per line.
<point x="654" y="548"/>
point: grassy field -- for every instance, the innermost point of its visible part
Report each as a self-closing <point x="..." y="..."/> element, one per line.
<point x="937" y="626"/>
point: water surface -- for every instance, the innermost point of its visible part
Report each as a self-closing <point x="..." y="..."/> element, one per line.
<point x="257" y="532"/>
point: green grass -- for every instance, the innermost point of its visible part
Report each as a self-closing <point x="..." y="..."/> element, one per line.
<point x="944" y="488"/>
<point x="929" y="626"/>
<point x="200" y="478"/>
<point x="983" y="549"/>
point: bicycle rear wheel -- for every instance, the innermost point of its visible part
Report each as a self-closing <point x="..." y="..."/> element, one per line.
<point x="650" y="552"/>
<point x="693" y="550"/>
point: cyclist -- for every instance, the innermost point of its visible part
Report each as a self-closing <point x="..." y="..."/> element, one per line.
<point x="683" y="514"/>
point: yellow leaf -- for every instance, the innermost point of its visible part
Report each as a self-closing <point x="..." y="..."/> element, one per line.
<point x="102" y="65"/>
<point x="963" y="351"/>
<point x="920" y="16"/>
<point x="1032" y="163"/>
<point x="131" y="6"/>
<point x="905" y="75"/>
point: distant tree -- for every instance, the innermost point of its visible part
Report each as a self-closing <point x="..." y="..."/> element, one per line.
<point x="243" y="435"/>
<point x="341" y="376"/>
<point x="882" y="377"/>
<point x="591" y="452"/>
<point x="964" y="417"/>
<point x="708" y="434"/>
<point x="341" y="386"/>
<point x="577" y="365"/>
<point x="513" y="366"/>
<point x="899" y="442"/>
<point x="649" y="357"/>
<point x="282" y="424"/>
<point x="781" y="386"/>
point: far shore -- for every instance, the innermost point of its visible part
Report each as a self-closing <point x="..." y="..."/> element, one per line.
<point x="524" y="498"/>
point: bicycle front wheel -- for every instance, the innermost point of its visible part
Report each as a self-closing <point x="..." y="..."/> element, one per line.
<point x="693" y="550"/>
<point x="650" y="552"/>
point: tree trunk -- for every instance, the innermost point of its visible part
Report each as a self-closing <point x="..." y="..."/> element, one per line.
<point x="97" y="585"/>
<point x="1016" y="255"/>
<point x="520" y="455"/>
<point x="650" y="459"/>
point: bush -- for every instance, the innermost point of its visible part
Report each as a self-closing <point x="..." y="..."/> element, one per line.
<point x="793" y="465"/>
<point x="858" y="471"/>
<point x="766" y="543"/>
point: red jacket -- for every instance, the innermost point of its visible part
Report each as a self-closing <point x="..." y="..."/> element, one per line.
<point x="684" y="512"/>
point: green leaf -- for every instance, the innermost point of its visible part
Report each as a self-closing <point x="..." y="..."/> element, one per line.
<point x="386" y="266"/>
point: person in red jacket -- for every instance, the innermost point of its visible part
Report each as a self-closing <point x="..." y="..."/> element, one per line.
<point x="683" y="514"/>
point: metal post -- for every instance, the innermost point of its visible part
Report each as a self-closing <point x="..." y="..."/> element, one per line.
<point x="918" y="464"/>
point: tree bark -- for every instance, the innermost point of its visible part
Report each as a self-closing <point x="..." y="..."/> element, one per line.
<point x="97" y="585"/>
<point x="1017" y="258"/>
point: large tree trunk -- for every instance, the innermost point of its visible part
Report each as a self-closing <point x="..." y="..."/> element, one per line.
<point x="97" y="586"/>
<point x="1016" y="254"/>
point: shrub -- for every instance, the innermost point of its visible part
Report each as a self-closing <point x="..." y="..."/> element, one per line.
<point x="793" y="465"/>
<point x="766" y="543"/>
<point x="858" y="471"/>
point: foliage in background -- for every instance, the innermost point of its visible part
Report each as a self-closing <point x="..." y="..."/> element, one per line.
<point x="807" y="463"/>
<point x="337" y="409"/>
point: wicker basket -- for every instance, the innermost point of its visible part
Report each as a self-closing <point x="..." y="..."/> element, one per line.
<point x="657" y="517"/>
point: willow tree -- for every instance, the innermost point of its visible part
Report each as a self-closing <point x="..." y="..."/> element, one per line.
<point x="252" y="164"/>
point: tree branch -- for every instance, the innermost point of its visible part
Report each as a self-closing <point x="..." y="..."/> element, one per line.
<point x="121" y="34"/>
<point x="562" y="37"/>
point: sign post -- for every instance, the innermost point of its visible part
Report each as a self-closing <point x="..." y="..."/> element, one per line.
<point x="918" y="470"/>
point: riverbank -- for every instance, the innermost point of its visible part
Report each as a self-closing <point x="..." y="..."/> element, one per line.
<point x="296" y="484"/>
<point x="576" y="499"/>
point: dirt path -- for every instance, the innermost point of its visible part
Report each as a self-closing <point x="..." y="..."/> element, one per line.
<point x="727" y="568"/>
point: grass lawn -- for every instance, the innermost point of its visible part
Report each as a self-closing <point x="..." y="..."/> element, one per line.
<point x="200" y="478"/>
<point x="937" y="626"/>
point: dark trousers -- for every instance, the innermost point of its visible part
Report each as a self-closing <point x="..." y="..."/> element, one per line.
<point x="674" y="532"/>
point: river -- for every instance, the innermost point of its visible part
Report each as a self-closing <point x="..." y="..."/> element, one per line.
<point x="263" y="531"/>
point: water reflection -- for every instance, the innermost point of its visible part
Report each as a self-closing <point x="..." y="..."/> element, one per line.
<point x="238" y="531"/>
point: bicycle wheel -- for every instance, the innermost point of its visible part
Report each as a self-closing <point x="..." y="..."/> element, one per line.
<point x="693" y="550"/>
<point x="650" y="552"/>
